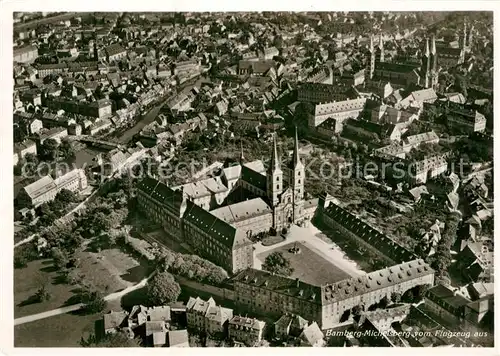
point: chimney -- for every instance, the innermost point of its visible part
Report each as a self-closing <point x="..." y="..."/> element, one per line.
<point x="297" y="282"/>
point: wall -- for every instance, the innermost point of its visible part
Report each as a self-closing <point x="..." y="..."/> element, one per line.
<point x="222" y="293"/>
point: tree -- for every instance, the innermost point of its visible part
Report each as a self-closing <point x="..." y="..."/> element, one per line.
<point x="420" y="291"/>
<point x="42" y="294"/>
<point x="66" y="196"/>
<point x="278" y="264"/>
<point x="163" y="289"/>
<point x="396" y="297"/>
<point x="118" y="339"/>
<point x="93" y="300"/>
<point x="59" y="257"/>
<point x="101" y="222"/>
<point x="20" y="261"/>
<point x="66" y="149"/>
<point x="409" y="296"/>
<point x="384" y="302"/>
<point x="49" y="149"/>
<point x="357" y="310"/>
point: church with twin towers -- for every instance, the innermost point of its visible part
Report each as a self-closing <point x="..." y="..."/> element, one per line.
<point x="221" y="214"/>
<point x="434" y="57"/>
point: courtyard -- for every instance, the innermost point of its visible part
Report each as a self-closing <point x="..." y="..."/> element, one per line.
<point x="320" y="260"/>
<point x="308" y="266"/>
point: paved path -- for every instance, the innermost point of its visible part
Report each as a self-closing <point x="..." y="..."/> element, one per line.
<point x="71" y="308"/>
<point x="308" y="236"/>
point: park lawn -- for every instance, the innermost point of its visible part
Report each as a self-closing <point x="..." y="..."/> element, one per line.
<point x="29" y="279"/>
<point x="65" y="330"/>
<point x="110" y="270"/>
<point x="308" y="265"/>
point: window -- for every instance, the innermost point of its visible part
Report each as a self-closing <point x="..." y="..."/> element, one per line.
<point x="299" y="173"/>
<point x="278" y="179"/>
<point x="299" y="181"/>
<point x="277" y="186"/>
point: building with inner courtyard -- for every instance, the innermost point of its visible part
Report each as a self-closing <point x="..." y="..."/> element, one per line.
<point x="218" y="215"/>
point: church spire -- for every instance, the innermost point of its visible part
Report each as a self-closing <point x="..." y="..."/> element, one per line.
<point x="465" y="34"/>
<point x="275" y="163"/>
<point x="242" y="158"/>
<point x="380" y="49"/>
<point x="434" y="54"/>
<point x="296" y="158"/>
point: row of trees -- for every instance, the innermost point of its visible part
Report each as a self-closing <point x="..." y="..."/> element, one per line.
<point x="193" y="267"/>
<point x="441" y="260"/>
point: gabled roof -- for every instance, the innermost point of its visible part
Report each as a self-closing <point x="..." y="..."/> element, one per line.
<point x="254" y="178"/>
<point x="225" y="233"/>
<point x="312" y="334"/>
<point x="41" y="186"/>
<point x="161" y="193"/>
<point x="159" y="313"/>
<point x="364" y="231"/>
<point x="279" y="284"/>
<point x="243" y="210"/>
<point x="395" y="67"/>
<point x="114" y="319"/>
<point x="247" y="322"/>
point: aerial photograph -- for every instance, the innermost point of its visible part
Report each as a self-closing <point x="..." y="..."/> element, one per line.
<point x="253" y="179"/>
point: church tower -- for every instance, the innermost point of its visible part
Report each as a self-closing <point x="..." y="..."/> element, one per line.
<point x="464" y="39"/>
<point x="380" y="50"/>
<point x="469" y="43"/>
<point x="372" y="58"/>
<point x="426" y="65"/>
<point x="274" y="176"/>
<point x="296" y="179"/>
<point x="434" y="65"/>
<point x="242" y="157"/>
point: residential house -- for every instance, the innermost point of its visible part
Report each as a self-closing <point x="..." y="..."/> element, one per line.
<point x="114" y="321"/>
<point x="475" y="261"/>
<point x="23" y="148"/>
<point x="26" y="54"/>
<point x="196" y="310"/>
<point x="312" y="336"/>
<point x="447" y="303"/>
<point x="155" y="333"/>
<point x="418" y="98"/>
<point x="414" y="141"/>
<point x="216" y="320"/>
<point x="289" y="325"/>
<point x="115" y="52"/>
<point x="246" y="330"/>
<point x="466" y="120"/>
<point x="428" y="168"/>
<point x="56" y="133"/>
